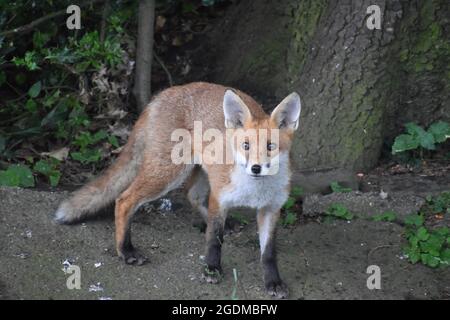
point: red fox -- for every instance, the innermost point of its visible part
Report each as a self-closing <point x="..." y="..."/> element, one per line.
<point x="145" y="170"/>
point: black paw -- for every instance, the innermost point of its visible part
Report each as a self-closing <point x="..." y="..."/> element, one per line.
<point x="200" y="224"/>
<point x="232" y="225"/>
<point x="212" y="275"/>
<point x="133" y="257"/>
<point x="277" y="289"/>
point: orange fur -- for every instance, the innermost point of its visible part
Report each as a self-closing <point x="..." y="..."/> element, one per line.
<point x="145" y="171"/>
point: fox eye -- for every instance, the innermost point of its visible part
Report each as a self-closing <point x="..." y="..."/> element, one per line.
<point x="246" y="146"/>
<point x="271" y="146"/>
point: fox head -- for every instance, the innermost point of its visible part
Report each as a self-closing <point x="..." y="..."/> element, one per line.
<point x="261" y="145"/>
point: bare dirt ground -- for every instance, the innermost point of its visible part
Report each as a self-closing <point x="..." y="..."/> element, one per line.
<point x="317" y="260"/>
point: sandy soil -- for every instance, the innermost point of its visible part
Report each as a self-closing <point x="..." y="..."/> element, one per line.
<point x="317" y="260"/>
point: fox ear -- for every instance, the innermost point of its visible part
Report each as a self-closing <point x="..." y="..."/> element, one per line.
<point x="235" y="111"/>
<point x="287" y="113"/>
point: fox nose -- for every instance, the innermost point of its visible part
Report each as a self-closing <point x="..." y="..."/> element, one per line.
<point x="256" y="169"/>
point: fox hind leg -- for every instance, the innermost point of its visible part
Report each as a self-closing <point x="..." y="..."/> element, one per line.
<point x="198" y="192"/>
<point x="150" y="184"/>
<point x="212" y="272"/>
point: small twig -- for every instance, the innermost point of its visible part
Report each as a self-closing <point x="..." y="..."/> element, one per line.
<point x="380" y="247"/>
<point x="205" y="30"/>
<point x="105" y="13"/>
<point x="169" y="76"/>
<point x="20" y="116"/>
<point x="14" y="88"/>
<point x="15" y="15"/>
<point x="29" y="27"/>
<point x="7" y="65"/>
<point x="61" y="87"/>
<point x="242" y="288"/>
<point x="19" y="141"/>
<point x="23" y="96"/>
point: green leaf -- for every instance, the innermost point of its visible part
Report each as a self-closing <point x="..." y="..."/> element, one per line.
<point x="440" y="131"/>
<point x="28" y="61"/>
<point x="425" y="139"/>
<point x="49" y="170"/>
<point x="414" y="220"/>
<point x="54" y="178"/>
<point x="336" y="187"/>
<point x="100" y="135"/>
<point x="339" y="211"/>
<point x="31" y="105"/>
<point x="39" y="39"/>
<point x="50" y="100"/>
<point x="445" y="256"/>
<point x="430" y="247"/>
<point x="290" y="218"/>
<point x="405" y="142"/>
<point x="113" y="141"/>
<point x="87" y="156"/>
<point x="414" y="241"/>
<point x="296" y="192"/>
<point x="55" y="116"/>
<point x="289" y="203"/>
<point x="414" y="130"/>
<point x="17" y="176"/>
<point x="429" y="260"/>
<point x="35" y="89"/>
<point x="422" y="234"/>
<point x="414" y="257"/>
<point x="43" y="167"/>
<point x="413" y="254"/>
<point x="442" y="231"/>
<point x="438" y="204"/>
<point x="240" y="218"/>
<point x="386" y="216"/>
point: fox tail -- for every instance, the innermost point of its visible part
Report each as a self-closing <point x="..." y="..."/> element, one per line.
<point x="102" y="191"/>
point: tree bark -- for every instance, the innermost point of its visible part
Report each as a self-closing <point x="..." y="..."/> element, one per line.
<point x="358" y="86"/>
<point x="144" y="53"/>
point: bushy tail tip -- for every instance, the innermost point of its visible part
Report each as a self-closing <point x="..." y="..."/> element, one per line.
<point x="65" y="214"/>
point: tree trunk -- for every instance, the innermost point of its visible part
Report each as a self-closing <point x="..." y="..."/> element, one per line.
<point x="358" y="86"/>
<point x="144" y="53"/>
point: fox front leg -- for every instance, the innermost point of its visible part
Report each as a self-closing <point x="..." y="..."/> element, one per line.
<point x="267" y="222"/>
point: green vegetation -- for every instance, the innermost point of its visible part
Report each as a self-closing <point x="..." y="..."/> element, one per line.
<point x="336" y="187"/>
<point x="431" y="247"/>
<point x="17" y="175"/>
<point x="59" y="87"/>
<point x="437" y="205"/>
<point x="427" y="245"/>
<point x="49" y="168"/>
<point x="417" y="138"/>
<point x="53" y="81"/>
<point x="339" y="211"/>
<point x="387" y="216"/>
<point x="240" y="218"/>
<point x="290" y="217"/>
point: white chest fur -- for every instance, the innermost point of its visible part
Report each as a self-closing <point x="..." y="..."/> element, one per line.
<point x="246" y="191"/>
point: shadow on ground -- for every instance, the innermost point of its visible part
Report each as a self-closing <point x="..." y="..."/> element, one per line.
<point x="318" y="261"/>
